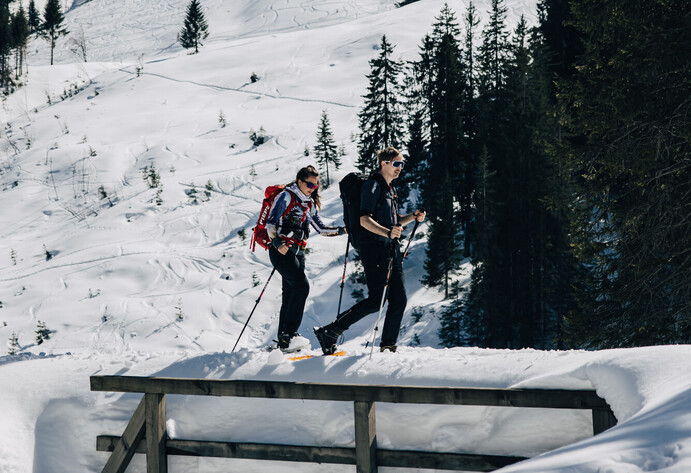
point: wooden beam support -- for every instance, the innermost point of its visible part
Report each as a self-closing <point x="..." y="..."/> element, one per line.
<point x="603" y="419"/>
<point x="444" y="461"/>
<point x="156" y="436"/>
<point x="126" y="446"/>
<point x="539" y="398"/>
<point x="247" y="451"/>
<point x="329" y="455"/>
<point x="365" y="437"/>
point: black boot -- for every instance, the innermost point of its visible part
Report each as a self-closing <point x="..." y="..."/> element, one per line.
<point x="328" y="336"/>
<point x="291" y="343"/>
<point x="282" y="341"/>
<point x="391" y="348"/>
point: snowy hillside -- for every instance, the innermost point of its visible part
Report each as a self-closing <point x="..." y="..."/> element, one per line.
<point x="130" y="286"/>
<point x="136" y="265"/>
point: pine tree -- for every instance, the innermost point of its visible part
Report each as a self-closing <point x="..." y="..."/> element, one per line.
<point x="326" y="151"/>
<point x="494" y="51"/>
<point x="490" y="109"/>
<point x="418" y="148"/>
<point x="13" y="345"/>
<point x="52" y="28"/>
<point x="561" y="38"/>
<point x="20" y="38"/>
<point x="444" y="184"/>
<point x="195" y="29"/>
<point x="492" y="68"/>
<point x="420" y="91"/>
<point x="561" y="48"/>
<point x="521" y="173"/>
<point x="381" y="119"/>
<point x="416" y="104"/>
<point x="442" y="254"/>
<point x="42" y="333"/>
<point x="493" y="281"/>
<point x="5" y="43"/>
<point x="475" y="318"/>
<point x="629" y="100"/>
<point x="471" y="20"/>
<point x="34" y="17"/>
<point x="470" y="126"/>
<point x="446" y="100"/>
<point x="450" y="115"/>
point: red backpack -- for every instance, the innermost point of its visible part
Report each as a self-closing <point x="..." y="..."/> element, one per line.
<point x="259" y="234"/>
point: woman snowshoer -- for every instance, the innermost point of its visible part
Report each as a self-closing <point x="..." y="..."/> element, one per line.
<point x="289" y="232"/>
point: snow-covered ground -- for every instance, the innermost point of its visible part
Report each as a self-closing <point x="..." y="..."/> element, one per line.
<point x="146" y="289"/>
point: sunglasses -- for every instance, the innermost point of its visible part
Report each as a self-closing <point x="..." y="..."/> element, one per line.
<point x="397" y="164"/>
<point x="311" y="185"/>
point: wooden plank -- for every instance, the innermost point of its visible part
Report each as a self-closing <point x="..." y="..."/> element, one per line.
<point x="444" y="461"/>
<point x="603" y="419"/>
<point x="255" y="451"/>
<point x="365" y="437"/>
<point x="156" y="459"/>
<point x="248" y="451"/>
<point x="124" y="449"/>
<point x="327" y="455"/>
<point x="535" y="398"/>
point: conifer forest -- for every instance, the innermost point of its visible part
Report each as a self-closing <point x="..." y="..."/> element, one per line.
<point x="556" y="160"/>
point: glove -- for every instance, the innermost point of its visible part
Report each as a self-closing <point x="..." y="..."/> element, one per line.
<point x="342" y="231"/>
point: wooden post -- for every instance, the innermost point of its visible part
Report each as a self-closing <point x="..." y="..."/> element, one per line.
<point x="603" y="419"/>
<point x="126" y="447"/>
<point x="156" y="459"/>
<point x="365" y="437"/>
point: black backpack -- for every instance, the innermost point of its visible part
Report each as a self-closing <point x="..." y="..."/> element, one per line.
<point x="351" y="187"/>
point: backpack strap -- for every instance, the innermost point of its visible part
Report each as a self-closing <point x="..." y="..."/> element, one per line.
<point x="380" y="194"/>
<point x="295" y="201"/>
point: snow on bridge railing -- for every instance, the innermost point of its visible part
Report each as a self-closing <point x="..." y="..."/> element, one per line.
<point x="146" y="431"/>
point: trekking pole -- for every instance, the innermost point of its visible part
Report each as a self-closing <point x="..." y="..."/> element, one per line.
<point x="255" y="306"/>
<point x="340" y="298"/>
<point x="383" y="297"/>
<point x="388" y="275"/>
<point x="410" y="239"/>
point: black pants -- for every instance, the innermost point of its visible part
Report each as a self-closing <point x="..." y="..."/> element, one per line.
<point x="295" y="289"/>
<point x="375" y="259"/>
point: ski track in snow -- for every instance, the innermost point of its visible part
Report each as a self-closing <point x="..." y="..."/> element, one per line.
<point x="249" y="92"/>
<point x="263" y="18"/>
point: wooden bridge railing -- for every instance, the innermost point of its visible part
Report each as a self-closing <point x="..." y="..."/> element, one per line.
<point x="146" y="431"/>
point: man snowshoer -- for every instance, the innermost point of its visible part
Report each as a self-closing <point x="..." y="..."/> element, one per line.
<point x="378" y="247"/>
<point x="289" y="232"/>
